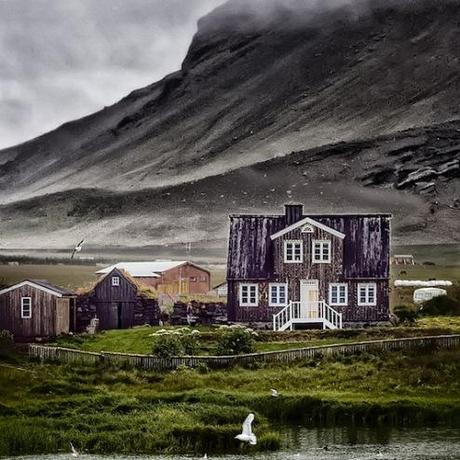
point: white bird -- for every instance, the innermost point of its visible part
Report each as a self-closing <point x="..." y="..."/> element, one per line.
<point x="75" y="452"/>
<point x="205" y="457"/>
<point x="77" y="248"/>
<point x="247" y="435"/>
<point x="275" y="393"/>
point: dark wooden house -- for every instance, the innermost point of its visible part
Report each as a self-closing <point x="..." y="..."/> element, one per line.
<point x="35" y="309"/>
<point x="296" y="270"/>
<point x="117" y="301"/>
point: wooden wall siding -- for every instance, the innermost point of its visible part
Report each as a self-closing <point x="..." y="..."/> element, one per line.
<point x="325" y="273"/>
<point x="141" y="311"/>
<point x="125" y="292"/>
<point x="43" y="322"/>
<point x="366" y="245"/>
<point x="149" y="362"/>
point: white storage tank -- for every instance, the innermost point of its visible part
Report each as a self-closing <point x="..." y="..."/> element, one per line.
<point x="424" y="294"/>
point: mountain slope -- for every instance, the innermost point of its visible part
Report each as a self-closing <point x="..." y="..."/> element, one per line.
<point x="261" y="79"/>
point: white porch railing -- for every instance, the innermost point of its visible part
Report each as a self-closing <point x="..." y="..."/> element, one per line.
<point x="295" y="314"/>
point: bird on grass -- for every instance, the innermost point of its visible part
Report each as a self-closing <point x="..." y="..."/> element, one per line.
<point x="275" y="393"/>
<point x="247" y="435"/>
<point x="75" y="452"/>
<point x="77" y="248"/>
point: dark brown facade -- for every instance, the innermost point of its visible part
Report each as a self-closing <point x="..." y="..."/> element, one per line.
<point x="117" y="302"/>
<point x="35" y="309"/>
<point x="359" y="256"/>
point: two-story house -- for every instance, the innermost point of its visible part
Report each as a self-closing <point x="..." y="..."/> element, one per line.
<point x="297" y="270"/>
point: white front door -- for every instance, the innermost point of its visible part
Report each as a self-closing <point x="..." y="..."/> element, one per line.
<point x="309" y="299"/>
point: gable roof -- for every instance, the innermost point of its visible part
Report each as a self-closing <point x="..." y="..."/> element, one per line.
<point x="366" y="244"/>
<point x="117" y="272"/>
<point x="307" y="220"/>
<point x="147" y="269"/>
<point x="42" y="285"/>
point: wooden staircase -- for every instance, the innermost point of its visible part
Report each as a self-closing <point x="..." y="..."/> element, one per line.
<point x="320" y="313"/>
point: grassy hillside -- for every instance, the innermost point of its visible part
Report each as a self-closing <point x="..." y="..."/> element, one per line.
<point x="104" y="410"/>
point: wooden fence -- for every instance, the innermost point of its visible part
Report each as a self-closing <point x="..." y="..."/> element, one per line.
<point x="68" y="355"/>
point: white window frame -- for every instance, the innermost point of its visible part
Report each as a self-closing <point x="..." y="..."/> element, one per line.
<point x="274" y="302"/>
<point x="248" y="303"/>
<point x="293" y="242"/>
<point x="115" y="281"/>
<point x="367" y="302"/>
<point x="321" y="260"/>
<point x="338" y="286"/>
<point x="29" y="299"/>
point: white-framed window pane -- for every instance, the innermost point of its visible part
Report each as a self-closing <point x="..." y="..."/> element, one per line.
<point x="26" y="307"/>
<point x="293" y="251"/>
<point x="338" y="294"/>
<point x="115" y="281"/>
<point x="248" y="295"/>
<point x="321" y="251"/>
<point x="367" y="294"/>
<point x="278" y="294"/>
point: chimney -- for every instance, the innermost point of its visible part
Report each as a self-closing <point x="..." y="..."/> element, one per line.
<point x="293" y="213"/>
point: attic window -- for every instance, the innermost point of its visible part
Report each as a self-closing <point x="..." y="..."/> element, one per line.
<point x="26" y="307"/>
<point x="307" y="228"/>
<point x="115" y="281"/>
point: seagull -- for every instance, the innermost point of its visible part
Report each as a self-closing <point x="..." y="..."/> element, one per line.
<point x="275" y="393"/>
<point x="75" y="452"/>
<point x="77" y="248"/>
<point x="247" y="435"/>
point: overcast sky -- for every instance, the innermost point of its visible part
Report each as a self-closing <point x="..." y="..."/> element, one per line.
<point x="62" y="59"/>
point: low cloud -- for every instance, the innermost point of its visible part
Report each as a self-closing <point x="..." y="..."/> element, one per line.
<point x="64" y="59"/>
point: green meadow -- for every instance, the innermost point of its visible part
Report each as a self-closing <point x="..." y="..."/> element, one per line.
<point x="103" y="409"/>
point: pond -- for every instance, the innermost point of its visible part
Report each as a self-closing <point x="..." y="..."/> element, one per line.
<point x="339" y="443"/>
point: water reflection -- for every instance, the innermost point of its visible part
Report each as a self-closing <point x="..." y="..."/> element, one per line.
<point x="339" y="443"/>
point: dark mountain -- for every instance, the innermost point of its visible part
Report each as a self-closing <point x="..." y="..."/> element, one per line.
<point x="350" y="107"/>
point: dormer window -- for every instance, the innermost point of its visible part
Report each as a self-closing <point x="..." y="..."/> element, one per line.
<point x="293" y="251"/>
<point x="115" y="281"/>
<point x="321" y="252"/>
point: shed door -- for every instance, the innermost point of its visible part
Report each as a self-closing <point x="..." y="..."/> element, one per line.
<point x="309" y="298"/>
<point x="62" y="316"/>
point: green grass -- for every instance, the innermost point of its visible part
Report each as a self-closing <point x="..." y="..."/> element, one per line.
<point x="139" y="341"/>
<point x="105" y="410"/>
<point x="69" y="276"/>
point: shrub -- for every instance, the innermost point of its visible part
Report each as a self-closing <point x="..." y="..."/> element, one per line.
<point x="442" y="305"/>
<point x="405" y="314"/>
<point x="236" y="340"/>
<point x="175" y="342"/>
<point x="167" y="346"/>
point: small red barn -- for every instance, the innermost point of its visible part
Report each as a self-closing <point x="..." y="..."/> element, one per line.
<point x="35" y="309"/>
<point x="167" y="276"/>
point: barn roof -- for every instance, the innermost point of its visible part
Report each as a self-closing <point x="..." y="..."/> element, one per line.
<point x="146" y="269"/>
<point x="43" y="285"/>
<point x="366" y="244"/>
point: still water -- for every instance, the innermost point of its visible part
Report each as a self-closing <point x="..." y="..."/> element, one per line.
<point x="334" y="444"/>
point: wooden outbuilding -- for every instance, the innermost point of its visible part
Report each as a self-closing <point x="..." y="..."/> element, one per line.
<point x="167" y="276"/>
<point x="117" y="301"/>
<point x="34" y="309"/>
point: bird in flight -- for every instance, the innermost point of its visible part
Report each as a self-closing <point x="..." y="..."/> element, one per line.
<point x="247" y="435"/>
<point x="275" y="393"/>
<point x="75" y="452"/>
<point x="77" y="248"/>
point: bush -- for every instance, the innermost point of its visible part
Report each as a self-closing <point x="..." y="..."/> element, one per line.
<point x="442" y="305"/>
<point x="405" y="314"/>
<point x="178" y="342"/>
<point x="167" y="346"/>
<point x="236" y="340"/>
